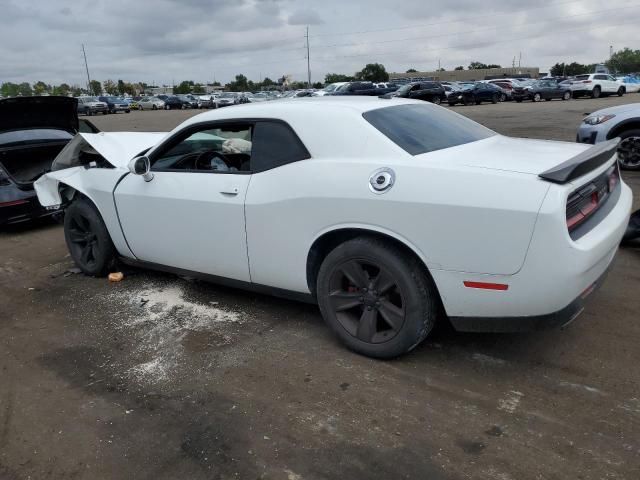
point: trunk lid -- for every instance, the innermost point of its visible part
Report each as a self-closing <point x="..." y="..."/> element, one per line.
<point x="519" y="155"/>
<point x="24" y="113"/>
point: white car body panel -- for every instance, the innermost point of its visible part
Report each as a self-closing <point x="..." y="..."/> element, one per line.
<point x="474" y="212"/>
<point x="169" y="207"/>
<point x="120" y="147"/>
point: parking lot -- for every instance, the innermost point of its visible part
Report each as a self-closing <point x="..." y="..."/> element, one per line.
<point x="163" y="377"/>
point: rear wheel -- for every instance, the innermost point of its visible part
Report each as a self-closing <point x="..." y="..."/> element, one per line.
<point x="153" y="107"/>
<point x="436" y="100"/>
<point x="566" y="96"/>
<point x="629" y="150"/>
<point x="621" y="91"/>
<point x="87" y="238"/>
<point x="378" y="300"/>
<point x="595" y="93"/>
<point x="495" y="98"/>
<point x="536" y="97"/>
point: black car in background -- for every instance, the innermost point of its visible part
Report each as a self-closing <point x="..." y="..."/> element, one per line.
<point x="115" y="104"/>
<point x="173" y="103"/>
<point x="541" y="90"/>
<point x="188" y="100"/>
<point x="33" y="131"/>
<point x="428" y="91"/>
<point x="476" y="93"/>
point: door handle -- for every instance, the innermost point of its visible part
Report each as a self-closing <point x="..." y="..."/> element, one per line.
<point x="230" y="190"/>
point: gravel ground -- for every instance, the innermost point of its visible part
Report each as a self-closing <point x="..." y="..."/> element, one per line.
<point x="162" y="377"/>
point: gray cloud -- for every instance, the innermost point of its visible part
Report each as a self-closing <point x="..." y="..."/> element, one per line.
<point x="167" y="40"/>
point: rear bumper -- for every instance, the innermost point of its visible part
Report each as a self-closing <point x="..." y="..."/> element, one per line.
<point x="559" y="318"/>
<point x="22" y="209"/>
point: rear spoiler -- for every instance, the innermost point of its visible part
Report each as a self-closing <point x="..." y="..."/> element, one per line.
<point x="582" y="163"/>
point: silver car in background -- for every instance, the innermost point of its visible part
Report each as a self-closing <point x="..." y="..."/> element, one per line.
<point x="151" y="103"/>
<point x="622" y="121"/>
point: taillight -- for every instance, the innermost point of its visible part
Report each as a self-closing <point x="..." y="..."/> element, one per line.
<point x="585" y="201"/>
<point x="586" y="81"/>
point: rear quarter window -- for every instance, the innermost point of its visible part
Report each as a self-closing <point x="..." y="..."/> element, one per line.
<point x="420" y="129"/>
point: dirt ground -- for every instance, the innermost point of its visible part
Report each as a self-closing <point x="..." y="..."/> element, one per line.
<point x="160" y="377"/>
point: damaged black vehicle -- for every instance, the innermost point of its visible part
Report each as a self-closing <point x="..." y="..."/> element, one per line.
<point x="33" y="130"/>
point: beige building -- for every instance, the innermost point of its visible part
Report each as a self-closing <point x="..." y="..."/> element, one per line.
<point x="469" y="75"/>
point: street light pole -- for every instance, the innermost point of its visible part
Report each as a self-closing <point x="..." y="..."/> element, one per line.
<point x="308" y="60"/>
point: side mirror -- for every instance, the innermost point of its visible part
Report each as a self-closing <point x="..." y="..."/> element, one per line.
<point x="141" y="166"/>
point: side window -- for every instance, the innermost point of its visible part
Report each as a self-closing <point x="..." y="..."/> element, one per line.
<point x="223" y="149"/>
<point x="600" y="77"/>
<point x="275" y="144"/>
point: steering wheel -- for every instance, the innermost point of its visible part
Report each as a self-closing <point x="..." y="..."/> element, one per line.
<point x="203" y="162"/>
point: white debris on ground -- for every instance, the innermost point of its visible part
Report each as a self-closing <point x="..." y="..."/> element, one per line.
<point x="160" y="316"/>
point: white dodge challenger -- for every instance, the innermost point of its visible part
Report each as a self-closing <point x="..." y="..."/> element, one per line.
<point x="387" y="213"/>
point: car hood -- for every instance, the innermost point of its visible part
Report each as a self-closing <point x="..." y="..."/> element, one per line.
<point x="632" y="107"/>
<point x="22" y="113"/>
<point x="117" y="148"/>
<point x="520" y="155"/>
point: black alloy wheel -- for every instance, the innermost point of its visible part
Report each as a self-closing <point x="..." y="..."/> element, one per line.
<point x="367" y="301"/>
<point x="629" y="150"/>
<point x="437" y="100"/>
<point x="537" y="97"/>
<point x="87" y="238"/>
<point x="566" y="96"/>
<point x="376" y="298"/>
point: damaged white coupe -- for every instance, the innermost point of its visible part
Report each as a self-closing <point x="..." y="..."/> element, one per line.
<point x="388" y="214"/>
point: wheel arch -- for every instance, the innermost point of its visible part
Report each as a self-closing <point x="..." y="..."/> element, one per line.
<point x="630" y="124"/>
<point x="327" y="240"/>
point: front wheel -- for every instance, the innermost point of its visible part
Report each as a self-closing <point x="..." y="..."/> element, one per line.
<point x="436" y="100"/>
<point x="495" y="99"/>
<point x="537" y="97"/>
<point x="154" y="107"/>
<point x="621" y="91"/>
<point x="595" y="93"/>
<point x="87" y="239"/>
<point x="629" y="150"/>
<point x="376" y="298"/>
<point x="566" y="96"/>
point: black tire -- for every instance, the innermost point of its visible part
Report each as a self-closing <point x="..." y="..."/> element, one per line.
<point x="87" y="239"/>
<point x="451" y="104"/>
<point x="88" y="112"/>
<point x="495" y="99"/>
<point x="621" y="91"/>
<point x="153" y="107"/>
<point x="381" y="323"/>
<point x="519" y="100"/>
<point x="595" y="93"/>
<point x="629" y="149"/>
<point x="466" y="101"/>
<point x="566" y="96"/>
<point x="478" y="102"/>
<point x="436" y="100"/>
<point x="537" y="97"/>
<point x="127" y="111"/>
<point x="503" y="97"/>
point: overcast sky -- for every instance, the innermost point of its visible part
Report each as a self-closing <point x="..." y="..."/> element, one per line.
<point x="163" y="41"/>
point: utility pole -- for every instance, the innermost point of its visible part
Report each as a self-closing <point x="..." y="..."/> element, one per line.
<point x="86" y="66"/>
<point x="519" y="59"/>
<point x="308" y="60"/>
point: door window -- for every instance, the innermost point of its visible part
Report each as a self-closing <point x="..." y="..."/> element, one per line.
<point x="224" y="149"/>
<point x="275" y="144"/>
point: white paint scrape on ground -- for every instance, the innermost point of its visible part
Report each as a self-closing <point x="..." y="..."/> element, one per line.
<point x="160" y="316"/>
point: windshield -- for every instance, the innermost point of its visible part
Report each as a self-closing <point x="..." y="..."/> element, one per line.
<point x="90" y="99"/>
<point x="405" y="88"/>
<point x="227" y="95"/>
<point x="331" y="87"/>
<point x="420" y="129"/>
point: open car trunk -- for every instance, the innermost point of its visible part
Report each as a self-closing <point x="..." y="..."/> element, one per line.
<point x="26" y="164"/>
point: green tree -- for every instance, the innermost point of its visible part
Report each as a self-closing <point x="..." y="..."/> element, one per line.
<point x="122" y="87"/>
<point x="570" y="69"/>
<point x="110" y="87"/>
<point x="95" y="87"/>
<point x="40" y="88"/>
<point x="63" y="90"/>
<point x="373" y="72"/>
<point x="412" y="70"/>
<point x="9" y="89"/>
<point x="25" y="90"/>
<point x="318" y="85"/>
<point x="459" y="67"/>
<point x="198" y="89"/>
<point x="624" y="61"/>
<point x="268" y="82"/>
<point x="240" y="84"/>
<point x="336" y="77"/>
<point x="441" y="70"/>
<point x="184" y="87"/>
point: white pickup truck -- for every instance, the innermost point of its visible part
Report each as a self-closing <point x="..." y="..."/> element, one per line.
<point x="594" y="85"/>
